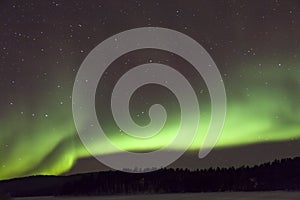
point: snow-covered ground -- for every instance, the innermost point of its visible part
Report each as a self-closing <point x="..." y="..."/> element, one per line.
<point x="198" y="196"/>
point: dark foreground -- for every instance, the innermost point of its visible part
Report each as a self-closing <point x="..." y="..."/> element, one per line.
<point x="189" y="196"/>
<point x="283" y="175"/>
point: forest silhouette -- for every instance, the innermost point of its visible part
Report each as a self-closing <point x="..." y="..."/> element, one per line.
<point x="277" y="175"/>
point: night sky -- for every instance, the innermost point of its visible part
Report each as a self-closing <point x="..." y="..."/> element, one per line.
<point x="255" y="45"/>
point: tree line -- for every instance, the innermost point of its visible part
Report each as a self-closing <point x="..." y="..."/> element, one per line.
<point x="277" y="175"/>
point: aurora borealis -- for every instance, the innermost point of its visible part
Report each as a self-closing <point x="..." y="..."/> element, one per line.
<point x="256" y="47"/>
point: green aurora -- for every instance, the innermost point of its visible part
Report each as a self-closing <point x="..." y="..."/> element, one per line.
<point x="263" y="106"/>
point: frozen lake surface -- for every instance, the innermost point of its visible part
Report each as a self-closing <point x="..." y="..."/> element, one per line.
<point x="188" y="196"/>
